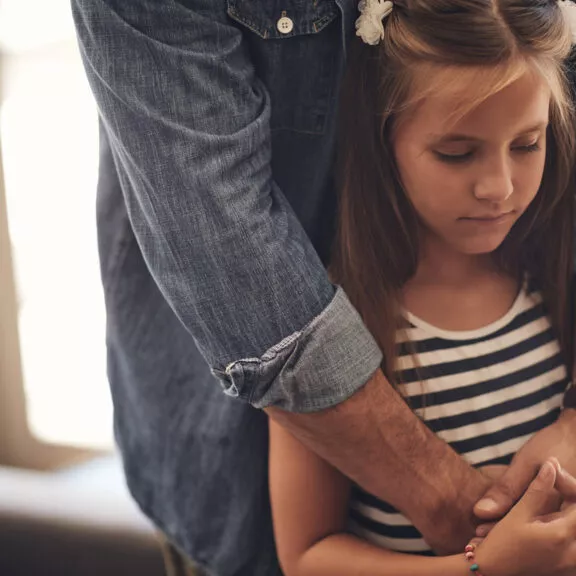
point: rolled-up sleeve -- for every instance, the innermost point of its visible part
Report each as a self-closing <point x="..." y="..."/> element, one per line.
<point x="188" y="123"/>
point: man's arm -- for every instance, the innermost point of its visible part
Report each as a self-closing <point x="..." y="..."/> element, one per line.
<point x="375" y="439"/>
<point x="188" y="124"/>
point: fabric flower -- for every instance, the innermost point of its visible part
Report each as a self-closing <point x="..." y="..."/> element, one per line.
<point x="370" y="25"/>
<point x="569" y="10"/>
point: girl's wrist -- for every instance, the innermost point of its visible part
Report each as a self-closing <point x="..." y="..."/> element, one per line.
<point x="458" y="565"/>
<point x="472" y="560"/>
<point x="479" y="562"/>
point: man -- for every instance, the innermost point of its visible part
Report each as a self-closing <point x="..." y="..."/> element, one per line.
<point x="216" y="208"/>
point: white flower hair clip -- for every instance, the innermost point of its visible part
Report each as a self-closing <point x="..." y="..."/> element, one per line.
<point x="370" y="24"/>
<point x="569" y="10"/>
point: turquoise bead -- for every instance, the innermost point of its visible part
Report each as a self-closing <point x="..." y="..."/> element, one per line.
<point x="474" y="568"/>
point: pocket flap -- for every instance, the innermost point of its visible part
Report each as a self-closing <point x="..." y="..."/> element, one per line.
<point x="275" y="19"/>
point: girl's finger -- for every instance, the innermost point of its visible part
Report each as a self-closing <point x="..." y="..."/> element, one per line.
<point x="565" y="517"/>
<point x="565" y="483"/>
<point x="484" y="529"/>
<point x="475" y="542"/>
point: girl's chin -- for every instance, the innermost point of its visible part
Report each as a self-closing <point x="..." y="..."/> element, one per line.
<point x="479" y="246"/>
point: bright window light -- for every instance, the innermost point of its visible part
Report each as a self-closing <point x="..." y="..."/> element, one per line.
<point x="49" y="135"/>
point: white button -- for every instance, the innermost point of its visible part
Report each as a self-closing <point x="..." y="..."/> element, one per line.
<point x="285" y="25"/>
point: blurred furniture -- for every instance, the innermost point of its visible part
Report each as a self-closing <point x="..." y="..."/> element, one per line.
<point x="74" y="522"/>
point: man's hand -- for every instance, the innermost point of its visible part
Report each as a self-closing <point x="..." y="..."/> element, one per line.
<point x="493" y="471"/>
<point x="557" y="440"/>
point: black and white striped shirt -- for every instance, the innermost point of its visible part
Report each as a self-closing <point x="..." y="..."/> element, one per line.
<point x="485" y="392"/>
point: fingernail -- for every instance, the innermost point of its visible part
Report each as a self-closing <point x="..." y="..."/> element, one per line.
<point x="547" y="470"/>
<point x="487" y="505"/>
<point x="481" y="531"/>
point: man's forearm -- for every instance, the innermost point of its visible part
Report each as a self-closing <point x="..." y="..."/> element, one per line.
<point x="377" y="441"/>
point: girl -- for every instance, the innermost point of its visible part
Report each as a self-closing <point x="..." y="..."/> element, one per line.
<point x="455" y="235"/>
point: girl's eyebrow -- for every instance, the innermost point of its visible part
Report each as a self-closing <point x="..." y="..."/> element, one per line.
<point x="449" y="138"/>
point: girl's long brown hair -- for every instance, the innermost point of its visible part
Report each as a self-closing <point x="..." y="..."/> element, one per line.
<point x="427" y="43"/>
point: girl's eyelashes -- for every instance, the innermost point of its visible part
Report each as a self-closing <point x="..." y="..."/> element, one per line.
<point x="534" y="147"/>
<point x="465" y="156"/>
<point x="453" y="158"/>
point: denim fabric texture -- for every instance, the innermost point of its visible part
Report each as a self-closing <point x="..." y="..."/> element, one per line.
<point x="216" y="207"/>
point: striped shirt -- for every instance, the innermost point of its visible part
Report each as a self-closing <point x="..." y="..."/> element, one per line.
<point x="485" y="392"/>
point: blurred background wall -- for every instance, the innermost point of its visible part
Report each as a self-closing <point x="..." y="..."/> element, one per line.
<point x="64" y="507"/>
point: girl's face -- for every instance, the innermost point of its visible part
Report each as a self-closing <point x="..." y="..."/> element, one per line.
<point x="471" y="180"/>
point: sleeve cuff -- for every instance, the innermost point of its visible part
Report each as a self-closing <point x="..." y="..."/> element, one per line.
<point x="313" y="369"/>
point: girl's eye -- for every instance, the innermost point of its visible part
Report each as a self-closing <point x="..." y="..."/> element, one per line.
<point x="453" y="158"/>
<point x="461" y="158"/>
<point x="534" y="147"/>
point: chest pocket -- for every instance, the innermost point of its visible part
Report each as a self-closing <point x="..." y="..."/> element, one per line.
<point x="295" y="45"/>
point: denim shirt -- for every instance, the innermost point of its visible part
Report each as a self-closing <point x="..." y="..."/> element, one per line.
<point x="216" y="210"/>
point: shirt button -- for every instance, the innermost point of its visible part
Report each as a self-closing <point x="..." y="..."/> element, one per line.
<point x="285" y="25"/>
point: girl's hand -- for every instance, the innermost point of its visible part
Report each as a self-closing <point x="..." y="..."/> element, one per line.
<point x="556" y="440"/>
<point x="537" y="536"/>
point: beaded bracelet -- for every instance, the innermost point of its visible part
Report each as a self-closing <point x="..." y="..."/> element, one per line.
<point x="469" y="555"/>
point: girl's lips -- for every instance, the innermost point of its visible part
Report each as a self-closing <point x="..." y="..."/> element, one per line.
<point x="488" y="219"/>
